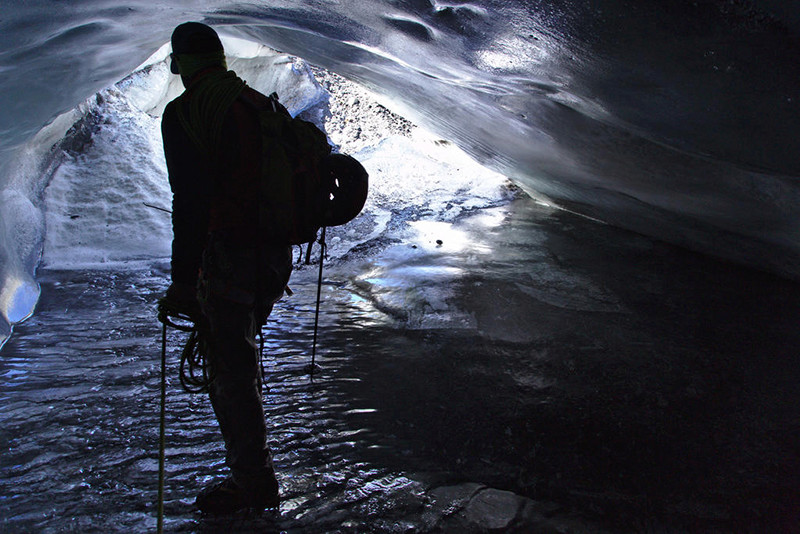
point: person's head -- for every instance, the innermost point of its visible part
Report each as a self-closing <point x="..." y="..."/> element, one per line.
<point x="195" y="46"/>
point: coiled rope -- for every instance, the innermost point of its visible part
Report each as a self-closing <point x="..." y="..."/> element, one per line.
<point x="195" y="373"/>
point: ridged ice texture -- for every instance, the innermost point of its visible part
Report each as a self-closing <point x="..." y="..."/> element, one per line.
<point x="677" y="119"/>
<point x="80" y="421"/>
<point x="674" y="119"/>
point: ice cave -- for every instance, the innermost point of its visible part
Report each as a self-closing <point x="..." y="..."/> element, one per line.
<point x="569" y="305"/>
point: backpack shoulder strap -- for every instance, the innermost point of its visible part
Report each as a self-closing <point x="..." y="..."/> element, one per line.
<point x="260" y="102"/>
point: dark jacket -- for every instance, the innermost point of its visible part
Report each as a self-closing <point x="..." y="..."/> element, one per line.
<point x="211" y="191"/>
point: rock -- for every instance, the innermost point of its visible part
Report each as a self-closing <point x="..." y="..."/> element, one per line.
<point x="493" y="509"/>
<point x="474" y="508"/>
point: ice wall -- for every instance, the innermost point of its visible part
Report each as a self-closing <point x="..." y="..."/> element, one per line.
<point x="102" y="199"/>
<point x="674" y="118"/>
<point x="104" y="189"/>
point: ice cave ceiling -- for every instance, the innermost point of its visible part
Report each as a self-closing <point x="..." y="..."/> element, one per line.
<point x="674" y="118"/>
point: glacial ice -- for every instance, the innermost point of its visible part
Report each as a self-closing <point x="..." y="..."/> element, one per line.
<point x="673" y="119"/>
<point x="105" y="189"/>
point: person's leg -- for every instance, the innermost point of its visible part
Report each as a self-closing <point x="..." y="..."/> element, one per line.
<point x="235" y="392"/>
<point x="230" y="308"/>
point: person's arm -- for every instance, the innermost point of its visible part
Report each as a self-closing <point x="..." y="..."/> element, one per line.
<point x="191" y="180"/>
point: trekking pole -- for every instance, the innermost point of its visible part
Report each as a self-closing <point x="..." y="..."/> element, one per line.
<point x="161" y="431"/>
<point x="319" y="291"/>
<point x="165" y="210"/>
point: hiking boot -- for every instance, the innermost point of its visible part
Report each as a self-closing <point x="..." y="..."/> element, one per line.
<point x="227" y="497"/>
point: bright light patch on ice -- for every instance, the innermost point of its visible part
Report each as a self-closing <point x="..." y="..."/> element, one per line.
<point x="440" y="235"/>
<point x="448" y="238"/>
<point x="429" y="175"/>
<point x="419" y="185"/>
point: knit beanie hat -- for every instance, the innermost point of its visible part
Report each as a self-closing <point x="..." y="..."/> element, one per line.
<point x="195" y="46"/>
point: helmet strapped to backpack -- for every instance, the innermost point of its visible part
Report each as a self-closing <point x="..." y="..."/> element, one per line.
<point x="348" y="183"/>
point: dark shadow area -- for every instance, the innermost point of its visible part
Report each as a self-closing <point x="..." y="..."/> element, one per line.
<point x="669" y="403"/>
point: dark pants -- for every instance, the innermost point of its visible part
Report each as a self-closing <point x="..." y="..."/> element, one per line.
<point x="238" y="288"/>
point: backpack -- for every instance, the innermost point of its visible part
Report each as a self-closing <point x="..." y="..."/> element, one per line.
<point x="303" y="186"/>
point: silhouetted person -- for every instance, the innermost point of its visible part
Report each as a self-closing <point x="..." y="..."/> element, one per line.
<point x="221" y="272"/>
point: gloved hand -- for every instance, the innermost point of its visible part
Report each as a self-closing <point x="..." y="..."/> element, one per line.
<point x="181" y="298"/>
